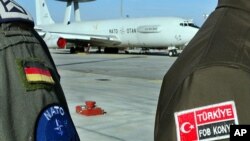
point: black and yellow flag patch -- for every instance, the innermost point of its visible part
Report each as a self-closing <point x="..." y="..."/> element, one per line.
<point x="37" y="73"/>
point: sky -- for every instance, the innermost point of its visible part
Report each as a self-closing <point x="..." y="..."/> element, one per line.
<point x="111" y="9"/>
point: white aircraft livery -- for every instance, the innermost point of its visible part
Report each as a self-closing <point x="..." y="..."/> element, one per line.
<point x="150" y="32"/>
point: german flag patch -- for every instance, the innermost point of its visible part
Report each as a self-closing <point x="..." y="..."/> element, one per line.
<point x="37" y="72"/>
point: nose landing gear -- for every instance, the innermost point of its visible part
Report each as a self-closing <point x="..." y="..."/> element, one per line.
<point x="172" y="51"/>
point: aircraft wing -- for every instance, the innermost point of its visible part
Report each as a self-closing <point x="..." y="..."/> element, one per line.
<point x="83" y="39"/>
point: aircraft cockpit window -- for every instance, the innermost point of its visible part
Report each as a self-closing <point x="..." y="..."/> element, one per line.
<point x="189" y="24"/>
<point x="193" y="25"/>
<point x="183" y="24"/>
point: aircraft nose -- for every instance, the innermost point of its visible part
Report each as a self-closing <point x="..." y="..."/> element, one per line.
<point x="192" y="33"/>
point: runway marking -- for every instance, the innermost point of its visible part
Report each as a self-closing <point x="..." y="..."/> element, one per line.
<point x="82" y="54"/>
<point x="98" y="61"/>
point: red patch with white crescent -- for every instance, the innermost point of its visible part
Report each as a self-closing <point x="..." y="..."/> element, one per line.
<point x="206" y="123"/>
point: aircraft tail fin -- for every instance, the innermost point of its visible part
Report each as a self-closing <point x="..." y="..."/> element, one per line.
<point x="42" y="13"/>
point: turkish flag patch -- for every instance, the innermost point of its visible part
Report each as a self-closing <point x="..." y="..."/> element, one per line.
<point x="206" y="123"/>
<point x="37" y="72"/>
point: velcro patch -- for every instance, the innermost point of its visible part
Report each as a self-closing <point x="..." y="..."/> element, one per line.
<point x="37" y="72"/>
<point x="206" y="123"/>
<point x="55" y="124"/>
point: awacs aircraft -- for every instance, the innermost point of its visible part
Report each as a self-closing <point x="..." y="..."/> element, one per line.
<point x="153" y="32"/>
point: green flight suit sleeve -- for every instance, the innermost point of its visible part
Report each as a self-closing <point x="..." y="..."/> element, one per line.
<point x="217" y="84"/>
<point x="206" y="86"/>
<point x="22" y="104"/>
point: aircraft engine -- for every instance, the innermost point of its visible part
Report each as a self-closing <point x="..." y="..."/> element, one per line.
<point x="54" y="41"/>
<point x="61" y="42"/>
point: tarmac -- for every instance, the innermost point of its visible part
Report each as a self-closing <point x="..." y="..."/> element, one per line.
<point x="125" y="86"/>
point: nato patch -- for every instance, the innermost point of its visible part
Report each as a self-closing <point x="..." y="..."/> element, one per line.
<point x="55" y="124"/>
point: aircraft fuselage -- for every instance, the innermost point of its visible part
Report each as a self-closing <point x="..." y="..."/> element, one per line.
<point x="159" y="32"/>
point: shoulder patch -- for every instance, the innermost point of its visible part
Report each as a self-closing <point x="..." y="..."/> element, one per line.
<point x="206" y="123"/>
<point x="35" y="74"/>
<point x="55" y="124"/>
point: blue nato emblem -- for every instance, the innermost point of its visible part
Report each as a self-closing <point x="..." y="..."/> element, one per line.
<point x="55" y="124"/>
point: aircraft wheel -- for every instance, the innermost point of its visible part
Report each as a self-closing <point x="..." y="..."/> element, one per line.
<point x="175" y="53"/>
<point x="99" y="50"/>
<point x="72" y="50"/>
<point x="81" y="49"/>
<point x="171" y="53"/>
<point x="111" y="50"/>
